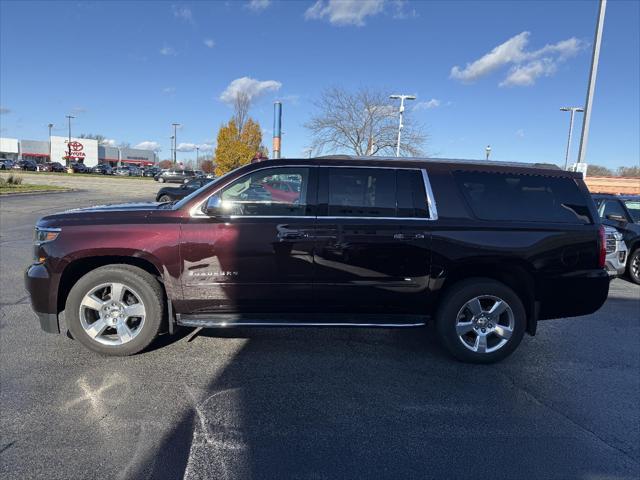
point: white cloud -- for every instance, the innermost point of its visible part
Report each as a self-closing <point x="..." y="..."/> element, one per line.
<point x="148" y="145"/>
<point x="401" y="10"/>
<point x="183" y="13"/>
<point x="191" y="147"/>
<point x="250" y="86"/>
<point x="169" y="90"/>
<point x="520" y="133"/>
<point x="4" y="110"/>
<point x="526" y="65"/>
<point x="525" y="75"/>
<point x="509" y="51"/>
<point x="344" y="12"/>
<point x="209" y="43"/>
<point x="429" y="104"/>
<point x="109" y="142"/>
<point x="258" y="5"/>
<point x="169" y="51"/>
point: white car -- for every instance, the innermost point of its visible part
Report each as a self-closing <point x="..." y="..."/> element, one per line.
<point x="617" y="252"/>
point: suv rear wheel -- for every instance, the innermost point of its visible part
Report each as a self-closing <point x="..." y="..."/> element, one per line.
<point x="115" y="310"/>
<point x="481" y="320"/>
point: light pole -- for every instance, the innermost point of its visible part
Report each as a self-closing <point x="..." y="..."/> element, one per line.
<point x="175" y="142"/>
<point x="172" y="147"/>
<point x="50" y="127"/>
<point x="487" y="152"/>
<point x="572" y="111"/>
<point x="402" y="98"/>
<point x="69" y="117"/>
<point x="197" y="158"/>
<point x="586" y="119"/>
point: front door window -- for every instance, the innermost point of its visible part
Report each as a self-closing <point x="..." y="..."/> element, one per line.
<point x="278" y="192"/>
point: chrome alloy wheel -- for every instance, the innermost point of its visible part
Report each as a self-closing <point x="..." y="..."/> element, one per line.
<point x="112" y="313"/>
<point x="635" y="266"/>
<point x="485" y="324"/>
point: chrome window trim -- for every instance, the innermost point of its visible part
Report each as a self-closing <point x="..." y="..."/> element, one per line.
<point x="196" y="211"/>
<point x="431" y="201"/>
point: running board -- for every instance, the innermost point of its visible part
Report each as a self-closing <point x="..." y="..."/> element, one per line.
<point x="229" y="320"/>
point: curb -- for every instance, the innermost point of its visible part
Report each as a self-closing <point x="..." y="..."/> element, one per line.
<point x="36" y="192"/>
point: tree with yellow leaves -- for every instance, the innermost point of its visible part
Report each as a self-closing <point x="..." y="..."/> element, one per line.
<point x="237" y="147"/>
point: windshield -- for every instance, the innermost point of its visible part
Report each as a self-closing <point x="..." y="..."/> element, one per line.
<point x="195" y="193"/>
<point x="634" y="209"/>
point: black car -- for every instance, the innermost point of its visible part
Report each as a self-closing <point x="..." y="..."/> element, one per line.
<point x="485" y="250"/>
<point x="175" y="176"/>
<point x="151" y="172"/>
<point x="28" y="165"/>
<point x="52" y="167"/>
<point x="170" y="194"/>
<point x="102" y="169"/>
<point x="6" y="164"/>
<point x="79" y="167"/>
<point x="623" y="213"/>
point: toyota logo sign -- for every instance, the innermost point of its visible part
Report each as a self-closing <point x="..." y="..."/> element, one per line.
<point x="76" y="146"/>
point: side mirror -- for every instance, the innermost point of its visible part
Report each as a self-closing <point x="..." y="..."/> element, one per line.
<point x="616" y="218"/>
<point x="214" y="206"/>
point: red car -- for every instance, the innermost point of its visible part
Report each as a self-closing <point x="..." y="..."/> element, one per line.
<point x="282" y="191"/>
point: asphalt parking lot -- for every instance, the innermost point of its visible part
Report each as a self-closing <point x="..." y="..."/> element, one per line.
<point x="308" y="403"/>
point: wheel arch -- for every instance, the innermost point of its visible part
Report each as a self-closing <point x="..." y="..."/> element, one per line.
<point x="516" y="276"/>
<point x="81" y="266"/>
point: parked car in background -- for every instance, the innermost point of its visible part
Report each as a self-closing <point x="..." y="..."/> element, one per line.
<point x="28" y="165"/>
<point x="623" y="213"/>
<point x="51" y="167"/>
<point x="617" y="252"/>
<point x="122" y="171"/>
<point x="79" y="167"/>
<point x="176" y="176"/>
<point x="170" y="194"/>
<point x="103" y="169"/>
<point x="135" y="171"/>
<point x="6" y="164"/>
<point x="485" y="250"/>
<point x="151" y="171"/>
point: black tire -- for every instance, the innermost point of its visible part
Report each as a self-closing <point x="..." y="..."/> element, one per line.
<point x="454" y="301"/>
<point x="633" y="266"/>
<point x="165" y="198"/>
<point x="147" y="288"/>
<point x="161" y="180"/>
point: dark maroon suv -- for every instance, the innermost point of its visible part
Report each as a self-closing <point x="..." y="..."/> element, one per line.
<point x="485" y="250"/>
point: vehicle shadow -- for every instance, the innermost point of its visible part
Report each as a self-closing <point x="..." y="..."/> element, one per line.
<point x="378" y="403"/>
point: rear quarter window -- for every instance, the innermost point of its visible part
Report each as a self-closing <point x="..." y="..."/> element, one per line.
<point x="523" y="197"/>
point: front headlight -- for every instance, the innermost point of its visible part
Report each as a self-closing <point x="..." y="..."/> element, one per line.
<point x="44" y="235"/>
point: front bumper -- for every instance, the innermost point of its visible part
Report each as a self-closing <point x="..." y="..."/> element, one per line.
<point x="38" y="284"/>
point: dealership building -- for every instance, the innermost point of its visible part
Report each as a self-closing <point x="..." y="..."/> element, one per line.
<point x="84" y="150"/>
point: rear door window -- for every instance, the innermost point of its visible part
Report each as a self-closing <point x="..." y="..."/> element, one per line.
<point x="411" y="195"/>
<point x="362" y="192"/>
<point x="523" y="197"/>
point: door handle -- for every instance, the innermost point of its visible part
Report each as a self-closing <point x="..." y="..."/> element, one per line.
<point x="294" y="236"/>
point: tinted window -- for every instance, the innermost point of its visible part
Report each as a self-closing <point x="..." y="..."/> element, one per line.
<point x="362" y="192"/>
<point x="522" y="197"/>
<point x="256" y="193"/>
<point x="612" y="207"/>
<point x="411" y="196"/>
<point x="634" y="209"/>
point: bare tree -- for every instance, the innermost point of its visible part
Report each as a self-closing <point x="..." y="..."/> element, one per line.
<point x="241" y="105"/>
<point x="362" y="123"/>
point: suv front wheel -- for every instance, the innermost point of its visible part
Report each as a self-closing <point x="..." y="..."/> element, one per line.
<point x="634" y="266"/>
<point x="115" y="310"/>
<point x="481" y="320"/>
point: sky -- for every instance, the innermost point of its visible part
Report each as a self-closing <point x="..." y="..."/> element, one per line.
<point x="484" y="73"/>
